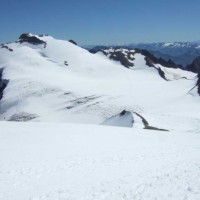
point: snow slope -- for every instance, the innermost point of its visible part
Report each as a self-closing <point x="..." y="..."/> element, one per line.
<point x="91" y="88"/>
<point x="49" y="161"/>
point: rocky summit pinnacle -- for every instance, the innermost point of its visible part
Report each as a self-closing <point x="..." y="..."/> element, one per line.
<point x="27" y="37"/>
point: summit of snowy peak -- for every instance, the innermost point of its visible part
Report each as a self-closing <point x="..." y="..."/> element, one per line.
<point x="27" y="35"/>
<point x="29" y="38"/>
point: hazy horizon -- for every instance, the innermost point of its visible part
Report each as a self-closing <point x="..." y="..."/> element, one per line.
<point x="104" y="22"/>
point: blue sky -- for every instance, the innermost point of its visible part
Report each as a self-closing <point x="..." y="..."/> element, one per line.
<point x="102" y="21"/>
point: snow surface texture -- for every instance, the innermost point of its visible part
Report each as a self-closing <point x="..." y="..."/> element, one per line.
<point x="49" y="161"/>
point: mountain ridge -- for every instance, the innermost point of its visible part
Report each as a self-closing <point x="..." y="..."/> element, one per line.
<point x="62" y="82"/>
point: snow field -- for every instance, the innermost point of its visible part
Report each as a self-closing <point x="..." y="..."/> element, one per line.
<point x="69" y="161"/>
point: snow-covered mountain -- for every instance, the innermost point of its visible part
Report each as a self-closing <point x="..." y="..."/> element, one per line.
<point x="45" y="79"/>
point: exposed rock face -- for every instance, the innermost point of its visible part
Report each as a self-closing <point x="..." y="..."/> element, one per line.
<point x="198" y="83"/>
<point x="3" y="46"/>
<point x="161" y="73"/>
<point x="195" y="66"/>
<point x="73" y="42"/>
<point x="151" y="59"/>
<point x="146" y="124"/>
<point x="26" y="37"/>
<point x="124" y="56"/>
<point x="3" y="83"/>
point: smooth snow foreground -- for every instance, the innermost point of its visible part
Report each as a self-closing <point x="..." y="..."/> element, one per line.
<point x="43" y="161"/>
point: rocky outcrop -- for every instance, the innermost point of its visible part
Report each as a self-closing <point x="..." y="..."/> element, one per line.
<point x="72" y="41"/>
<point x="161" y="73"/>
<point x="124" y="56"/>
<point x="195" y="66"/>
<point x="151" y="60"/>
<point x="198" y="84"/>
<point x="26" y="37"/>
<point x="3" y="83"/>
<point x="146" y="124"/>
<point x="3" y="46"/>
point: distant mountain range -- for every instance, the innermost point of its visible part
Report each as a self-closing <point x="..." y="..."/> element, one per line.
<point x="182" y="53"/>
